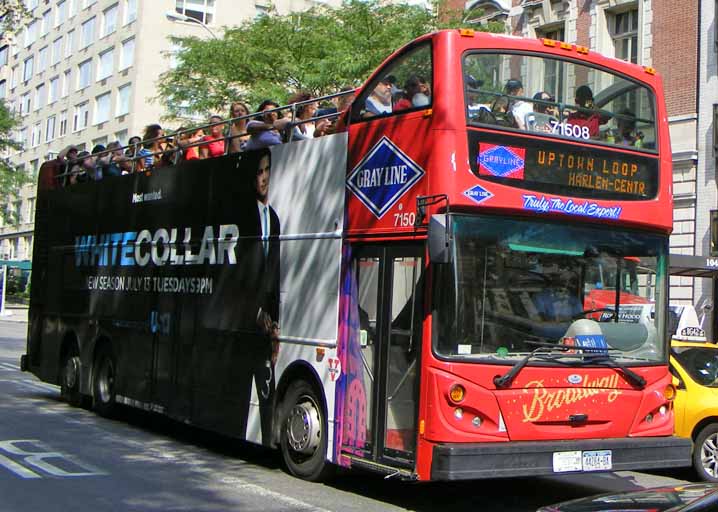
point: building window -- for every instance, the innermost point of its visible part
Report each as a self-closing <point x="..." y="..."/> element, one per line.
<point x="63" y="124"/>
<point x="30" y="33"/>
<point x="715" y="131"/>
<point x="15" y="77"/>
<point x="88" y="3"/>
<point x="46" y="21"/>
<point x="104" y="64"/>
<point x="121" y="137"/>
<point x="27" y="69"/>
<point x="31" y="4"/>
<point x="201" y="10"/>
<point x="56" y="50"/>
<point x="625" y="35"/>
<point x="35" y="137"/>
<point x="31" y="213"/>
<point x="4" y="55"/>
<point x="102" y="109"/>
<point x="260" y="10"/>
<point x="128" y="53"/>
<point x="39" y="96"/>
<point x="3" y="90"/>
<point x="81" y="116"/>
<point x="67" y="78"/>
<point x="25" y="104"/>
<point x="61" y="13"/>
<point x="88" y="33"/>
<point x="42" y="59"/>
<point x="72" y="8"/>
<point x="109" y="20"/>
<point x="50" y="129"/>
<point x="123" y="100"/>
<point x="69" y="43"/>
<point x="84" y="74"/>
<point x="53" y="90"/>
<point x="130" y="11"/>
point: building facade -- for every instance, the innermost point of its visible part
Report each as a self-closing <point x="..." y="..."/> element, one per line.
<point x="84" y="72"/>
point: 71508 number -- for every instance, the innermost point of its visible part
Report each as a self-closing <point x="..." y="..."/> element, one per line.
<point x="570" y="130"/>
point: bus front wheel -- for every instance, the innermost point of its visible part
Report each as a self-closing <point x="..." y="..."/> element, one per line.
<point x="103" y="382"/>
<point x="303" y="433"/>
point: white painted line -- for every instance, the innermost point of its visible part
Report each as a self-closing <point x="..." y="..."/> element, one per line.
<point x="263" y="492"/>
<point x="9" y="367"/>
<point x="16" y="468"/>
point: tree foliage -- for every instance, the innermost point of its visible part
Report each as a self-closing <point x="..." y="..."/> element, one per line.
<point x="319" y="50"/>
<point x="13" y="14"/>
<point x="11" y="177"/>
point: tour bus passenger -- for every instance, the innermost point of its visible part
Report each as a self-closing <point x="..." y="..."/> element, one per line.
<point x="151" y="146"/>
<point x="107" y="163"/>
<point x="627" y="134"/>
<point x="64" y="162"/>
<point x="238" y="128"/>
<point x="133" y="145"/>
<point x="340" y="103"/>
<point x="214" y="142"/>
<point x="417" y="94"/>
<point x="544" y="115"/>
<point x="78" y="172"/>
<point x="499" y="114"/>
<point x="517" y="107"/>
<point x="379" y="101"/>
<point x="307" y="129"/>
<point x="586" y="115"/>
<point x="95" y="172"/>
<point x="264" y="132"/>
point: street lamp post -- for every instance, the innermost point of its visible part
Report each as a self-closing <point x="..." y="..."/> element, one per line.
<point x="181" y="17"/>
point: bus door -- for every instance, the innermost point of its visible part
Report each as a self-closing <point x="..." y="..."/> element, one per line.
<point x="390" y="288"/>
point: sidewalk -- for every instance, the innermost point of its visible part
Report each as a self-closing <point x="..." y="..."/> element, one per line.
<point x="14" y="314"/>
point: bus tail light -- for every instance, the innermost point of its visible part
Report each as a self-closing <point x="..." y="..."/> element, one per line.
<point x="669" y="392"/>
<point x="457" y="393"/>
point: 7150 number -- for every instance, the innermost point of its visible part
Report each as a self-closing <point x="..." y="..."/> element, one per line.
<point x="404" y="220"/>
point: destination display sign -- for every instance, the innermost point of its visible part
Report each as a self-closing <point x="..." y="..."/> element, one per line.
<point x="565" y="169"/>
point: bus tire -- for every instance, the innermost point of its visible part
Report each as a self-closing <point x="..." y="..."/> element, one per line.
<point x="303" y="433"/>
<point x="705" y="453"/>
<point x="70" y="379"/>
<point x="103" y="382"/>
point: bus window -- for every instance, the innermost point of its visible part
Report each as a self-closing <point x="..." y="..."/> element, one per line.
<point x="560" y="98"/>
<point x="404" y="85"/>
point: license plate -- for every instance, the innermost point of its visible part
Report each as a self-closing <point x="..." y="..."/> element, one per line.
<point x="595" y="460"/>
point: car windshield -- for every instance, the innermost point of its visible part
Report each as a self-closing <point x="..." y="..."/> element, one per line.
<point x="558" y="98"/>
<point x="513" y="284"/>
<point x="700" y="363"/>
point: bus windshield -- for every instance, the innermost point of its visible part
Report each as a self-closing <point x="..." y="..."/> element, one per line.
<point x="512" y="285"/>
<point x="560" y="98"/>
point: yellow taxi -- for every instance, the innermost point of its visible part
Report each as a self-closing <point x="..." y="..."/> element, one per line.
<point x="695" y="370"/>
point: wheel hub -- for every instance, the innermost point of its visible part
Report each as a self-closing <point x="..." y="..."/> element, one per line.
<point x="72" y="370"/>
<point x="709" y="455"/>
<point x="304" y="428"/>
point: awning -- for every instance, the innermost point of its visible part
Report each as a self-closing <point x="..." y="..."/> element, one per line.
<point x="693" y="266"/>
<point x="21" y="264"/>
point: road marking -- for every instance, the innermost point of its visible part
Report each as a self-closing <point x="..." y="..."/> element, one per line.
<point x="263" y="492"/>
<point x="38" y="455"/>
<point x="9" y="366"/>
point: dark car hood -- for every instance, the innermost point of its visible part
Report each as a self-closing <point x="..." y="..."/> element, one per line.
<point x="688" y="498"/>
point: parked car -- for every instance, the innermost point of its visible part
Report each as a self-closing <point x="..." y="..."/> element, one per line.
<point x="693" y="498"/>
<point x="695" y="370"/>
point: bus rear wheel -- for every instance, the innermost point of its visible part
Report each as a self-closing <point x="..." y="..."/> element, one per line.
<point x="103" y="382"/>
<point x="303" y="433"/>
<point x="70" y="379"/>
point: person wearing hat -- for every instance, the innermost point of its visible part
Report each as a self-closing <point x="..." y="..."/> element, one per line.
<point x="378" y="103"/>
<point x="586" y="115"/>
<point x="519" y="108"/>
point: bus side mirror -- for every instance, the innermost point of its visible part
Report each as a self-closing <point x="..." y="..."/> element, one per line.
<point x="439" y="238"/>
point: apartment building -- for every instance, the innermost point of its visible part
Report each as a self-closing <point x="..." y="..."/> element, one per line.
<point x="83" y="72"/>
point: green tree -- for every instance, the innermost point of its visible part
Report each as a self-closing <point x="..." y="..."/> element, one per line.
<point x="319" y="50"/>
<point x="13" y="14"/>
<point x="11" y="176"/>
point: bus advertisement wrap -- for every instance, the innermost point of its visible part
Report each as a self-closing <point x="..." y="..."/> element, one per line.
<point x="268" y="212"/>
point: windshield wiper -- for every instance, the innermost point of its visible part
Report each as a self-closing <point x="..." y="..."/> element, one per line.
<point x="506" y="379"/>
<point x="629" y="374"/>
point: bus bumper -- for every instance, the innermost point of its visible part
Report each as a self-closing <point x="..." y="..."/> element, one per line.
<point x="454" y="461"/>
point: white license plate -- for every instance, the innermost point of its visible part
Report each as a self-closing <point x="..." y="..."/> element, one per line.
<point x="595" y="460"/>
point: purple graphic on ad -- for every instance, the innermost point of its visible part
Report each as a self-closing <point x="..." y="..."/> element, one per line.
<point x="350" y="398"/>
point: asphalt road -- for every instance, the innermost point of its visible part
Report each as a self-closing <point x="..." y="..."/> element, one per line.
<point x="57" y="458"/>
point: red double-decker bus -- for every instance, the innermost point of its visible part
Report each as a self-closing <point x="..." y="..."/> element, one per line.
<point x="409" y="295"/>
